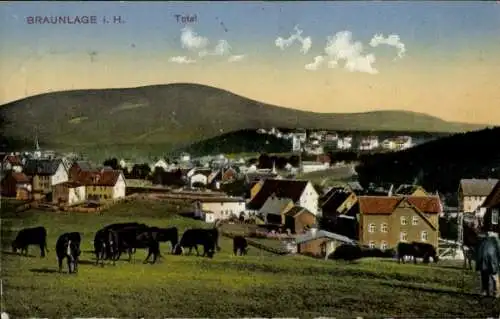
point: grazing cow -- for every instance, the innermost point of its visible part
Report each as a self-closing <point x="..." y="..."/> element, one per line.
<point x="348" y="252"/>
<point x="167" y="234"/>
<point x="31" y="236"/>
<point x="68" y="246"/>
<point x="240" y="245"/>
<point x="105" y="246"/>
<point x="416" y="250"/>
<point x="191" y="238"/>
<point x="133" y="238"/>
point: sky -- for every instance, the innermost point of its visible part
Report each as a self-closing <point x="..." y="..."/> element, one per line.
<point x="440" y="58"/>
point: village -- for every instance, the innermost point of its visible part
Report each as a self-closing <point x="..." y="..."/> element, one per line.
<point x="303" y="216"/>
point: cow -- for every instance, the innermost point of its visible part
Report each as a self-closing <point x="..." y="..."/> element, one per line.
<point x="416" y="250"/>
<point x="105" y="246"/>
<point x="348" y="252"/>
<point x="31" y="236"/>
<point x="132" y="238"/>
<point x="240" y="245"/>
<point x="167" y="234"/>
<point x="208" y="238"/>
<point x="68" y="246"/>
<point x="118" y="226"/>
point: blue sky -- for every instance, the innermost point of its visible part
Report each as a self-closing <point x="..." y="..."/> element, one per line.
<point x="449" y="67"/>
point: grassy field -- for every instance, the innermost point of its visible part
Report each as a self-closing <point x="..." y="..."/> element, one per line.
<point x="226" y="286"/>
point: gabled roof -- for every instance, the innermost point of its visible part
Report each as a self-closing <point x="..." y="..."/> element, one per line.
<point x="283" y="188"/>
<point x="296" y="210"/>
<point x="493" y="199"/>
<point x="387" y="204"/>
<point x="275" y="205"/>
<point x="477" y="187"/>
<point x="18" y="177"/>
<point x="203" y="171"/>
<point x="43" y="167"/>
<point x="336" y="198"/>
<point x="83" y="165"/>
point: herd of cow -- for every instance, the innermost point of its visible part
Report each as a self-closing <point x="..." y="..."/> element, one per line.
<point x="113" y="240"/>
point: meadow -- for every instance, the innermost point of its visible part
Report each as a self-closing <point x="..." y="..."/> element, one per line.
<point x="259" y="284"/>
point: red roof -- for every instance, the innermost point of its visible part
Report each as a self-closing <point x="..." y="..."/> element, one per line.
<point x="387" y="204"/>
<point x="99" y="178"/>
<point x="13" y="159"/>
<point x="20" y="177"/>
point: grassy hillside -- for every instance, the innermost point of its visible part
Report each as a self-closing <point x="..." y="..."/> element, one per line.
<point x="438" y="165"/>
<point x="176" y="114"/>
<point x="258" y="285"/>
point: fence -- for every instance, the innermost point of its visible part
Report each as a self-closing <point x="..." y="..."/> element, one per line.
<point x="258" y="245"/>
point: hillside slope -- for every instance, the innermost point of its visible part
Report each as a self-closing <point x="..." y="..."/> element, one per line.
<point x="438" y="165"/>
<point x="179" y="113"/>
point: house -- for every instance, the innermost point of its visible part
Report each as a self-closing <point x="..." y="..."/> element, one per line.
<point x="103" y="184"/>
<point x="274" y="209"/>
<point x="200" y="176"/>
<point x="297" y="219"/>
<point x="228" y="175"/>
<point x="169" y="178"/>
<point x="211" y="209"/>
<point x="12" y="163"/>
<point x="161" y="163"/>
<point x="301" y="192"/>
<point x="69" y="193"/>
<point x="368" y="143"/>
<point x="384" y="221"/>
<point x="310" y="166"/>
<point x="320" y="243"/>
<point x="78" y="167"/>
<point x="16" y="185"/>
<point x="337" y="201"/>
<point x="410" y="190"/>
<point x="491" y="208"/>
<point x="472" y="193"/>
<point x="344" y="143"/>
<point x="45" y="173"/>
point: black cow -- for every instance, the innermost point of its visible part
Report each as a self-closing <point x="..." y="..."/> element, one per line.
<point x="348" y="252"/>
<point x="240" y="245"/>
<point x="132" y="238"/>
<point x="105" y="246"/>
<point x="208" y="238"/>
<point x="416" y="250"/>
<point x="68" y="246"/>
<point x="167" y="234"/>
<point x="31" y="236"/>
<point x="118" y="226"/>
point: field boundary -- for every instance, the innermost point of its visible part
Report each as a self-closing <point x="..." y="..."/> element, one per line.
<point x="258" y="245"/>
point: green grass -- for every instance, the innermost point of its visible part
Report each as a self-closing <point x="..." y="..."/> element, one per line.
<point x="258" y="285"/>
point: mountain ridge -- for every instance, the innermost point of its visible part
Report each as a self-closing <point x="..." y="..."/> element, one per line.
<point x="182" y="113"/>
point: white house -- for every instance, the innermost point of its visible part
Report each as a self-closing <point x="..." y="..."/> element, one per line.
<point x="308" y="166"/>
<point x="161" y="163"/>
<point x="472" y="193"/>
<point x="368" y="143"/>
<point x="70" y="193"/>
<point x="120" y="187"/>
<point x="344" y="143"/>
<point x="199" y="175"/>
<point x="211" y="209"/>
<point x="60" y="175"/>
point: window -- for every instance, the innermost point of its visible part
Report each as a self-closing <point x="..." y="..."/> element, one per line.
<point x="414" y="220"/>
<point x="404" y="221"/>
<point x="371" y="228"/>
<point x="371" y="244"/>
<point x="384" y="228"/>
<point x="403" y="236"/>
<point x="423" y="236"/>
<point x="384" y="245"/>
<point x="494" y="216"/>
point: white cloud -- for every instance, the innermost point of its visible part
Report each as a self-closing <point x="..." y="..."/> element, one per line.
<point x="306" y="42"/>
<point x="181" y="60"/>
<point x="192" y="41"/>
<point x="236" y="58"/>
<point x="391" y="40"/>
<point x="313" y="66"/>
<point x="221" y="49"/>
<point x="341" y="47"/>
